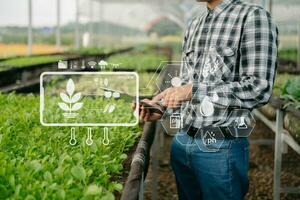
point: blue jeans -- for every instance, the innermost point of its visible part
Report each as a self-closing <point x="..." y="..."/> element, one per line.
<point x="218" y="175"/>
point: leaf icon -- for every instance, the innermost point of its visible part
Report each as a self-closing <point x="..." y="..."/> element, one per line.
<point x="76" y="97"/>
<point x="65" y="98"/>
<point x="68" y="98"/>
<point x="111" y="108"/>
<point x="70" y="87"/>
<point x="76" y="106"/>
<point x="64" y="106"/>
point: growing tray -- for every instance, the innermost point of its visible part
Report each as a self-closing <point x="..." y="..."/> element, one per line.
<point x="20" y="76"/>
<point x="291" y="118"/>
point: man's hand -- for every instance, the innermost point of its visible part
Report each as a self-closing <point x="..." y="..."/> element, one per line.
<point x="174" y="97"/>
<point x="171" y="97"/>
<point x="145" y="114"/>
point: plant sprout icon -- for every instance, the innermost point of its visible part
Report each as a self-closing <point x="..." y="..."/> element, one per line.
<point x="70" y="100"/>
<point x="116" y="65"/>
<point x="211" y="64"/>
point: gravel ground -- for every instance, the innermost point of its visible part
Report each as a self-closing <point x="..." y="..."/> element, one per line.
<point x="261" y="171"/>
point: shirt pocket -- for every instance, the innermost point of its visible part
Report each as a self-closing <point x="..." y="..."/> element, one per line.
<point x="219" y="64"/>
<point x="226" y="58"/>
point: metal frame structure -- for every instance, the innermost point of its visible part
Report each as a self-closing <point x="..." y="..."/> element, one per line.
<point x="283" y="140"/>
<point x="29" y="33"/>
<point x="173" y="16"/>
<point x="58" y="35"/>
<point x="298" y="59"/>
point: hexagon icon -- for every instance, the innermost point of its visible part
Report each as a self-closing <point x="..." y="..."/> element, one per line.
<point x="169" y="76"/>
<point x="242" y="123"/>
<point x="171" y="121"/>
<point x="152" y="82"/>
<point x="181" y="136"/>
<point x="209" y="139"/>
<point x="210" y="107"/>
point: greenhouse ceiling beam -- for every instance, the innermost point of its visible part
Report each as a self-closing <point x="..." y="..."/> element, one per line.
<point x="298" y="51"/>
<point x="29" y="32"/>
<point x="91" y="28"/>
<point x="58" y="35"/>
<point x="141" y="1"/>
<point x="77" y="35"/>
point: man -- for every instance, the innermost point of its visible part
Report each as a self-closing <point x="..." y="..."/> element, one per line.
<point x="229" y="65"/>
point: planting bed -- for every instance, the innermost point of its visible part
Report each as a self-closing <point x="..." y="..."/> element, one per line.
<point x="288" y="55"/>
<point x="260" y="173"/>
<point x="29" y="61"/>
<point x="288" y="59"/>
<point x="286" y="94"/>
<point x="21" y="73"/>
<point x="38" y="162"/>
<point x="140" y="62"/>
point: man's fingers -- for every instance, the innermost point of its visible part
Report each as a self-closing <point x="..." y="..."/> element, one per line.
<point x="168" y="98"/>
<point x="160" y="96"/>
<point x="147" y="101"/>
<point x="147" y="116"/>
<point x="172" y="101"/>
<point x="142" y="113"/>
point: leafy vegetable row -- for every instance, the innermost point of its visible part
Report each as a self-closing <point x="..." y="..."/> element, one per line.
<point x="28" y="61"/>
<point x="288" y="54"/>
<point x="90" y="50"/>
<point x="38" y="163"/>
<point x="24" y="61"/>
<point x="138" y="61"/>
<point x="288" y="87"/>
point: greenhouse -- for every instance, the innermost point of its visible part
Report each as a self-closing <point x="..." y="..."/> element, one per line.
<point x="161" y="99"/>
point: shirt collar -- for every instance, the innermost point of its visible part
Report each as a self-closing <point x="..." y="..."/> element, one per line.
<point x="219" y="8"/>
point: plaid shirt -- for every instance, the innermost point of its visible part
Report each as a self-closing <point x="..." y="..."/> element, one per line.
<point x="230" y="57"/>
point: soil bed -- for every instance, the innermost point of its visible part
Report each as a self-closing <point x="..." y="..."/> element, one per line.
<point x="261" y="171"/>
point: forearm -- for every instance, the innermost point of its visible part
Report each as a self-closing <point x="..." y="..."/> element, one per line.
<point x="249" y="93"/>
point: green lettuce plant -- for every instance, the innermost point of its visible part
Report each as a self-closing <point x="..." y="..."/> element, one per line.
<point x="38" y="162"/>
